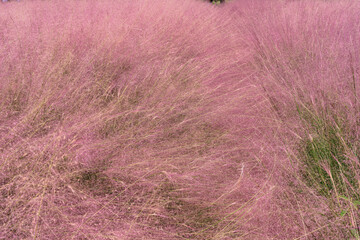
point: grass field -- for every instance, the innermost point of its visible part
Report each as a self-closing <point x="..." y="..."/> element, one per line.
<point x="179" y="119"/>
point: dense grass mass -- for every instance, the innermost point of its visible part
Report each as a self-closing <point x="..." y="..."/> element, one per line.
<point x="179" y="119"/>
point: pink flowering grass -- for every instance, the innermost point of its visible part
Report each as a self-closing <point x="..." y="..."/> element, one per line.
<point x="179" y="120"/>
<point x="307" y="60"/>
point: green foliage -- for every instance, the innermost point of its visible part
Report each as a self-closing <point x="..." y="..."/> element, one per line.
<point x="216" y="2"/>
<point x="327" y="168"/>
<point x="355" y="233"/>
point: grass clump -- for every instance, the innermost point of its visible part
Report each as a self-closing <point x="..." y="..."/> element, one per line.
<point x="327" y="167"/>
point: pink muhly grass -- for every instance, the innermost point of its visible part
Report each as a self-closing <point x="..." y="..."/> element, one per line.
<point x="114" y="125"/>
<point x="178" y="120"/>
<point x="305" y="56"/>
